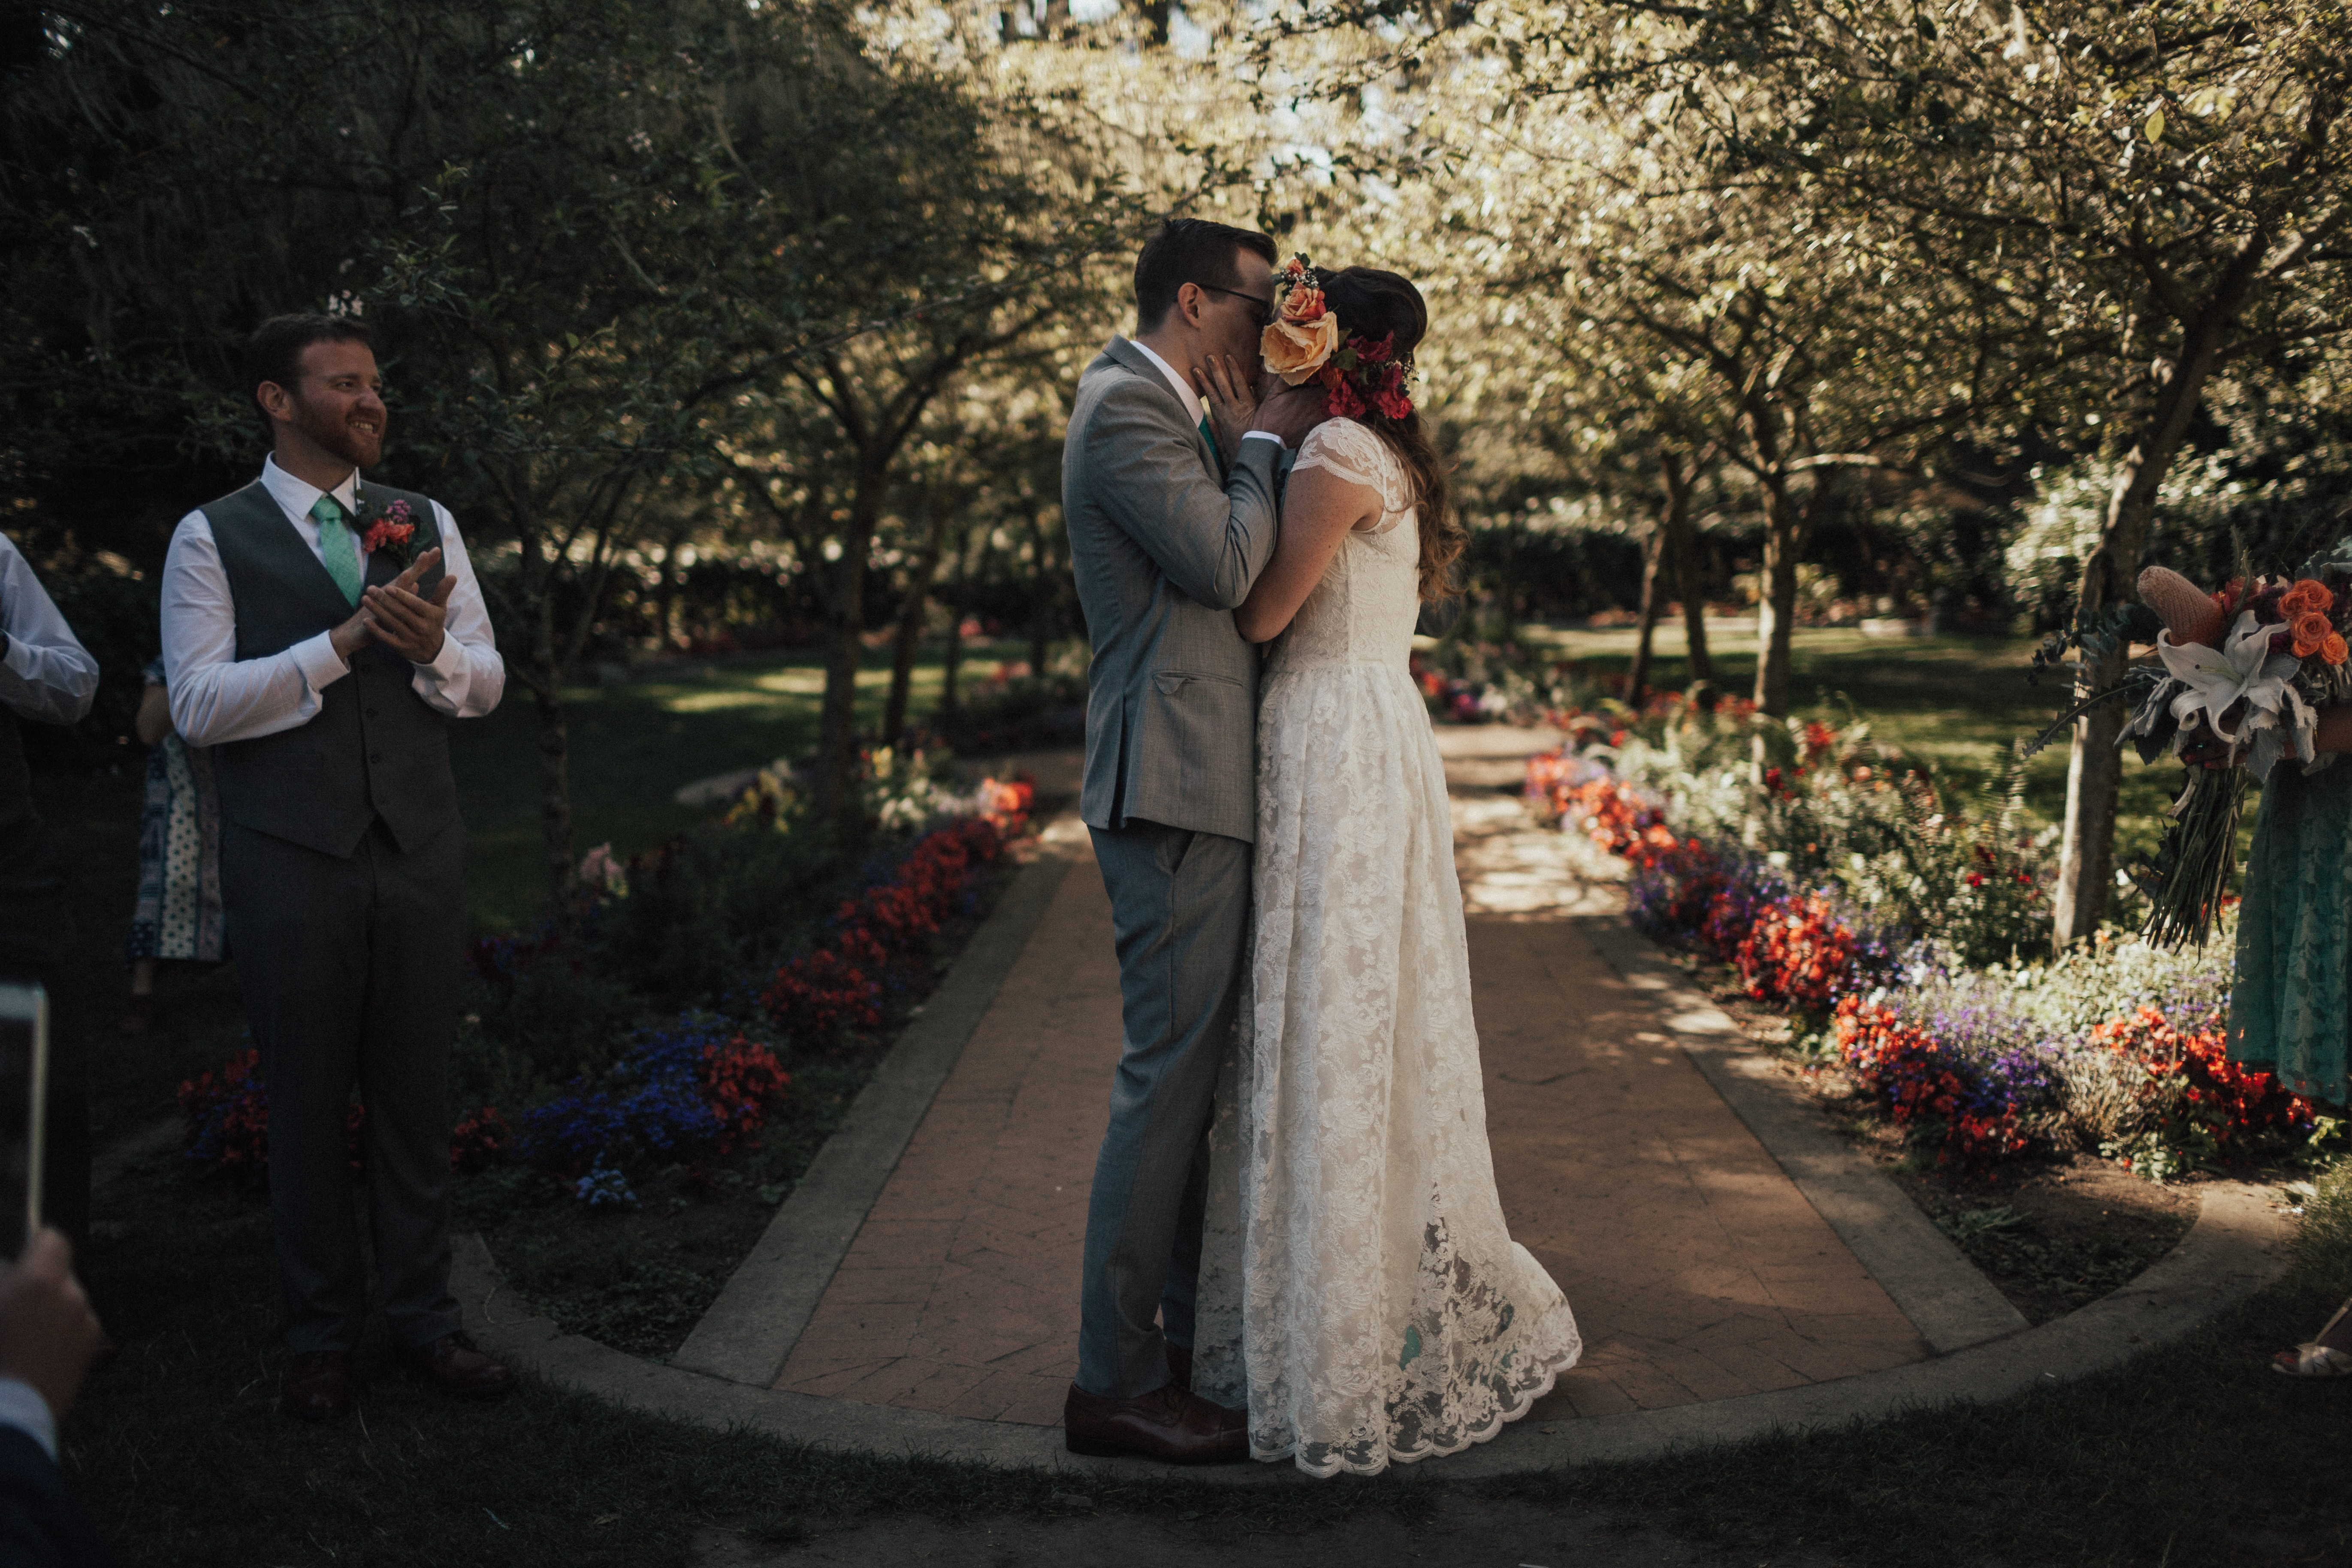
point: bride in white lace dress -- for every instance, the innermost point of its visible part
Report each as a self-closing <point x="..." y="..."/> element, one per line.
<point x="1386" y="1313"/>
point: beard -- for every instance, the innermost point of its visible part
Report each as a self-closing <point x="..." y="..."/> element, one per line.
<point x="334" y="430"/>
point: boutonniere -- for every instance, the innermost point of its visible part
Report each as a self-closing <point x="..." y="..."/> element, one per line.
<point x="388" y="532"/>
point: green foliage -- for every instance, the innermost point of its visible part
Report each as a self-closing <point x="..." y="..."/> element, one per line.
<point x="113" y="615"/>
<point x="564" y="1013"/>
<point x="619" y="1290"/>
<point x="724" y="904"/>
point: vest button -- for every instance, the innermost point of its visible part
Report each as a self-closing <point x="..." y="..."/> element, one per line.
<point x="375" y="756"/>
<point x="370" y="712"/>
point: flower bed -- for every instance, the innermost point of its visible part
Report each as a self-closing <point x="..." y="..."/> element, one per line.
<point x="1841" y="883"/>
<point x="705" y="1083"/>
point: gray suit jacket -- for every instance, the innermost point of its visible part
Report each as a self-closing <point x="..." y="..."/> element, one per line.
<point x="1163" y="552"/>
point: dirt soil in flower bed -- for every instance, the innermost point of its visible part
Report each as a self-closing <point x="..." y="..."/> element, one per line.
<point x="639" y="1280"/>
<point x="2052" y="1232"/>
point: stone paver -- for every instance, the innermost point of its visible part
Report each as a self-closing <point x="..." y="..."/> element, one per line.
<point x="1697" y="1271"/>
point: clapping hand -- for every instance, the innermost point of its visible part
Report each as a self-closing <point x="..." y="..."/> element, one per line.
<point x="394" y="615"/>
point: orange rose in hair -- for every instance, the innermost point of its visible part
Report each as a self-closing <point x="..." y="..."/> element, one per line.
<point x="1295" y="351"/>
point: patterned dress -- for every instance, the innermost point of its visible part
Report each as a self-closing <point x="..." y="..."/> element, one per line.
<point x="178" y="914"/>
<point x="2291" y="998"/>
<point x="1386" y="1315"/>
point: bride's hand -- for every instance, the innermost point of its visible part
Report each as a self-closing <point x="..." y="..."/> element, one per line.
<point x="1231" y="399"/>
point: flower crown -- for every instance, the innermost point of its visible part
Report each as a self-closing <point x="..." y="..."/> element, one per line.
<point x="1306" y="343"/>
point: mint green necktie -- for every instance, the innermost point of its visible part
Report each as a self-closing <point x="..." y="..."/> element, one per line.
<point x="336" y="548"/>
<point x="1211" y="437"/>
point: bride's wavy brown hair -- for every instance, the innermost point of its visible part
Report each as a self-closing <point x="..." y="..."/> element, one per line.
<point x="1371" y="304"/>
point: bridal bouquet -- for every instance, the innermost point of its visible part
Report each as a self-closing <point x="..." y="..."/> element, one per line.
<point x="2251" y="665"/>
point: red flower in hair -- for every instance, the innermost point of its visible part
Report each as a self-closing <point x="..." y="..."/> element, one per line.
<point x="1340" y="400"/>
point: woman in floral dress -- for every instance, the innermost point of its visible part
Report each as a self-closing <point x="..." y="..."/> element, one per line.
<point x="178" y="912"/>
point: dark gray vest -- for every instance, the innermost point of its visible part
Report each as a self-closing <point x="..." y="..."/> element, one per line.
<point x="375" y="749"/>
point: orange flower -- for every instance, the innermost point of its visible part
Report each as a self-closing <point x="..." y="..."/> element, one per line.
<point x="2331" y="648"/>
<point x="2307" y="597"/>
<point x="2311" y="630"/>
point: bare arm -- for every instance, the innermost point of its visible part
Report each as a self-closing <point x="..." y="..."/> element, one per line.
<point x="155" y="718"/>
<point x="1318" y="511"/>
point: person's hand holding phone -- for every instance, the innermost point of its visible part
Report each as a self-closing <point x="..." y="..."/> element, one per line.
<point x="49" y="1335"/>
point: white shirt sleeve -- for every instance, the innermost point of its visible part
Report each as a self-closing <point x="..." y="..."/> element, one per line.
<point x="216" y="696"/>
<point x="467" y="676"/>
<point x="22" y="1407"/>
<point x="46" y="676"/>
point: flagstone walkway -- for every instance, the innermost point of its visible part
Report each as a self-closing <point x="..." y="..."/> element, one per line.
<point x="1697" y="1270"/>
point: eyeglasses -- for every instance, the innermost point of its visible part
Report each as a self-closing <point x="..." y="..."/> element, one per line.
<point x="1265" y="306"/>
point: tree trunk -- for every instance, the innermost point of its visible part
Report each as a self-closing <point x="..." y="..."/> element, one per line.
<point x="2086" y="856"/>
<point x="1654" y="550"/>
<point x="911" y="615"/>
<point x="836" y="756"/>
<point x="1777" y="611"/>
<point x="555" y="793"/>
<point x="1682" y="551"/>
<point x="666" y="596"/>
<point x="1041" y="596"/>
<point x="959" y="606"/>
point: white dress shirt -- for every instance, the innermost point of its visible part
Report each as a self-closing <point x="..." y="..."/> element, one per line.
<point x="22" y="1407"/>
<point x="1192" y="409"/>
<point x="218" y="697"/>
<point x="45" y="676"/>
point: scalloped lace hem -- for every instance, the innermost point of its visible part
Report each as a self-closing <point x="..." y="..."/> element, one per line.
<point x="1485" y="1432"/>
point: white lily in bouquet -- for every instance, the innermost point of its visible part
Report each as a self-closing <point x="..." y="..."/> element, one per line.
<point x="2258" y="689"/>
<point x="2243" y="691"/>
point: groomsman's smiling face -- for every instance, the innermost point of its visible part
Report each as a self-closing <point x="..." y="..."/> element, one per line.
<point x="334" y="411"/>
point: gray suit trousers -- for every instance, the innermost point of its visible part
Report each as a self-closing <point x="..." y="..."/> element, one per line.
<point x="1179" y="911"/>
<point x="349" y="969"/>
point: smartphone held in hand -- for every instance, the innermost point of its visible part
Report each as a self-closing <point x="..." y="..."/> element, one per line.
<point x="24" y="1093"/>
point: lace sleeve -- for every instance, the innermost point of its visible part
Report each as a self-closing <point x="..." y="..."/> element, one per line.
<point x="1349" y="451"/>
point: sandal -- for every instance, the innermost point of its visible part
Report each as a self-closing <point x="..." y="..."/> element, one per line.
<point x="2312" y="1358"/>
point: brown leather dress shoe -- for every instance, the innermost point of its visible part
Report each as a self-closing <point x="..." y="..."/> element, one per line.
<point x="455" y="1364"/>
<point x="318" y="1386"/>
<point x="1173" y="1424"/>
<point x="1180" y="1365"/>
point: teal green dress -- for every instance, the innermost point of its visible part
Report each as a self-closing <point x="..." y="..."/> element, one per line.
<point x="2291" y="997"/>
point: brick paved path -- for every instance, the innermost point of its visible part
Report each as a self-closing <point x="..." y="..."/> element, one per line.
<point x="1696" y="1270"/>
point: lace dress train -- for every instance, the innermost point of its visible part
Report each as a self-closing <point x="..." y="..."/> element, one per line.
<point x="1387" y="1314"/>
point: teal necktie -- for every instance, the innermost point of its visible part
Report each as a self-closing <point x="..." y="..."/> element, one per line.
<point x="1211" y="437"/>
<point x="336" y="547"/>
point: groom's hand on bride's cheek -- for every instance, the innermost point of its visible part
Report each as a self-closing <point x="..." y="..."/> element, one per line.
<point x="1225" y="390"/>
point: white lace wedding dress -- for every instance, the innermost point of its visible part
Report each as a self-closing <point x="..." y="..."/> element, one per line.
<point x="1386" y="1313"/>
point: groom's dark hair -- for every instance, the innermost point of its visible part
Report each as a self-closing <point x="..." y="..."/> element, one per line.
<point x="274" y="352"/>
<point x="1190" y="250"/>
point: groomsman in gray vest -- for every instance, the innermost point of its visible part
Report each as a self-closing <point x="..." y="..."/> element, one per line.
<point x="324" y="673"/>
<point x="1168" y="487"/>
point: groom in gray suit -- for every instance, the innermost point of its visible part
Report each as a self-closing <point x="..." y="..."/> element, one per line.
<point x="1169" y="490"/>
